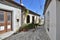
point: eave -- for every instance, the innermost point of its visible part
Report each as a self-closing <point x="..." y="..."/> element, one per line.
<point x="46" y="5"/>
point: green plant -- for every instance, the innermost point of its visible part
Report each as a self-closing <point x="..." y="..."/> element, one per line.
<point x="27" y="26"/>
<point x="24" y="26"/>
<point x="30" y="26"/>
<point x="37" y="24"/>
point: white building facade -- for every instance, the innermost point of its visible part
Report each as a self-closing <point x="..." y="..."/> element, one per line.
<point x="31" y="16"/>
<point x="50" y="19"/>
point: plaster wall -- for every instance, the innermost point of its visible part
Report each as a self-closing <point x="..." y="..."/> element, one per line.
<point x="16" y="14"/>
<point x="50" y="20"/>
<point x="58" y="20"/>
<point x="36" y="18"/>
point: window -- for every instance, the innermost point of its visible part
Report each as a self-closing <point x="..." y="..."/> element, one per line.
<point x="1" y="28"/>
<point x="9" y="16"/>
<point x="1" y="16"/>
<point x="28" y="19"/>
<point x="5" y="21"/>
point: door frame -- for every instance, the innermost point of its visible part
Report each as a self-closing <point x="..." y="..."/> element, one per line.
<point x="5" y="21"/>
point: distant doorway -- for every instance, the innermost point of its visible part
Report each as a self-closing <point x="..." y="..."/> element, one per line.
<point x="32" y="19"/>
<point x="28" y="19"/>
<point x="5" y="21"/>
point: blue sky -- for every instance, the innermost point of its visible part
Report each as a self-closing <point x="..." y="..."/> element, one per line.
<point x="34" y="5"/>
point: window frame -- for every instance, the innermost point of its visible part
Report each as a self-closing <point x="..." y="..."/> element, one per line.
<point x="6" y="25"/>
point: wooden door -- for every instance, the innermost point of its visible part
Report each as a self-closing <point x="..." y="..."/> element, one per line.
<point x="5" y="21"/>
<point x="9" y="21"/>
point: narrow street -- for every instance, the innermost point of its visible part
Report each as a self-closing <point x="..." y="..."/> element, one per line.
<point x="38" y="34"/>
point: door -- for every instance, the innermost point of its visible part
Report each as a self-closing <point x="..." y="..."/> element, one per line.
<point x="5" y="21"/>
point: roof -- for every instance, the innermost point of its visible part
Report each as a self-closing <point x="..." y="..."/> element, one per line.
<point x="15" y="3"/>
<point x="22" y="7"/>
<point x="46" y="5"/>
<point x="31" y="12"/>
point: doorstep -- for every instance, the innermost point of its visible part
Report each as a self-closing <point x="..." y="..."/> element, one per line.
<point x="5" y="35"/>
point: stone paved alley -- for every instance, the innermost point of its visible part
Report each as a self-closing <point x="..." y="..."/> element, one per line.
<point x="38" y="34"/>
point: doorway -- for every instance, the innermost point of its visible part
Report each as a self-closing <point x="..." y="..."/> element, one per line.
<point x="28" y="19"/>
<point x="32" y="19"/>
<point x="5" y="21"/>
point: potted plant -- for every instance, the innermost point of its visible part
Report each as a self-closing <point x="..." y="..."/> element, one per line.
<point x="23" y="28"/>
<point x="27" y="27"/>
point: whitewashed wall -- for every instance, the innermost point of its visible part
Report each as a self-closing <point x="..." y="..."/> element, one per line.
<point x="58" y="20"/>
<point x="36" y="18"/>
<point x="16" y="14"/>
<point x="52" y="20"/>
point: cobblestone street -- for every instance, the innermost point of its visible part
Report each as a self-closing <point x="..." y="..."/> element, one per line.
<point x="38" y="34"/>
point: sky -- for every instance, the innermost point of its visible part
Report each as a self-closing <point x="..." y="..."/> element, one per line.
<point x="36" y="6"/>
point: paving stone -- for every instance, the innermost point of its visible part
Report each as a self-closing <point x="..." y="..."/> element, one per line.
<point x="38" y="34"/>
